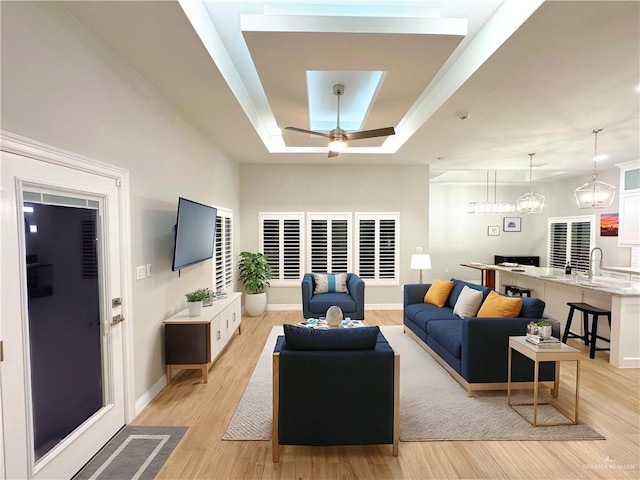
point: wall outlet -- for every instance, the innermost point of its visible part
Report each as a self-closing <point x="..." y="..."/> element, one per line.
<point x="446" y="269"/>
<point x="141" y="272"/>
<point x="148" y="270"/>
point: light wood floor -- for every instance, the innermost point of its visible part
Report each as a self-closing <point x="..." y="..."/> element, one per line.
<point x="609" y="402"/>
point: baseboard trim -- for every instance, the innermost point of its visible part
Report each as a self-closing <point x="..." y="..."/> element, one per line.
<point x="282" y="307"/>
<point x="150" y="394"/>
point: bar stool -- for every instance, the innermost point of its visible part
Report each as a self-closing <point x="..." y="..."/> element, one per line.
<point x="514" y="290"/>
<point x="587" y="310"/>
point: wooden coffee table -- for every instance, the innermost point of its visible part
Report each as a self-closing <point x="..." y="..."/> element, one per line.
<point x="562" y="353"/>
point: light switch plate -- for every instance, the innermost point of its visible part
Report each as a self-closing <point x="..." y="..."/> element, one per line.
<point x="141" y="272"/>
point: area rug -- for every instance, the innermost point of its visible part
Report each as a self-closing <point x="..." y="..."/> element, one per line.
<point x="433" y="406"/>
<point x="133" y="453"/>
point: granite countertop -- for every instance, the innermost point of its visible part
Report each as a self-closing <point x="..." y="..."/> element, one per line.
<point x="604" y="284"/>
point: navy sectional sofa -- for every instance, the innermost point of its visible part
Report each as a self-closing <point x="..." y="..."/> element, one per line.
<point x="474" y="350"/>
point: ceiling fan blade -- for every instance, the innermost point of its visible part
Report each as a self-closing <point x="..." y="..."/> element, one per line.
<point x="332" y="154"/>
<point x="311" y="132"/>
<point x="378" y="132"/>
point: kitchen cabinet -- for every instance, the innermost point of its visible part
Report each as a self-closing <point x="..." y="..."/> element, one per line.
<point x="629" y="206"/>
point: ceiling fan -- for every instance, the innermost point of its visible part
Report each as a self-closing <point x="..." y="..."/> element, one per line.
<point x="339" y="137"/>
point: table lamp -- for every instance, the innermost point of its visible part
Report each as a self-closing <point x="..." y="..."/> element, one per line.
<point x="420" y="261"/>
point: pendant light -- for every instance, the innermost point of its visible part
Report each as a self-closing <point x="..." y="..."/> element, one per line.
<point x="530" y="202"/>
<point x="595" y="194"/>
<point x="491" y="207"/>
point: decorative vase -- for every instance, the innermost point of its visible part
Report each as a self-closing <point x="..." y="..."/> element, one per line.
<point x="195" y="308"/>
<point x="255" y="303"/>
<point x="334" y="316"/>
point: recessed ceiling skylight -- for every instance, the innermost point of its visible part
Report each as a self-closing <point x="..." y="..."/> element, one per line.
<point x="360" y="89"/>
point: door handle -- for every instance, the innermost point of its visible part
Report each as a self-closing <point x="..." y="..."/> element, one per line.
<point x="116" y="319"/>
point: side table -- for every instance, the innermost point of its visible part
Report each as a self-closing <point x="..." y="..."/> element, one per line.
<point x="556" y="354"/>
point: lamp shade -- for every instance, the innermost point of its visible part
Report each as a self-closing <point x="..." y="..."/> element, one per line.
<point x="420" y="261"/>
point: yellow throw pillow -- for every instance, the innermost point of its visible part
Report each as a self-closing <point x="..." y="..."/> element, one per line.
<point x="438" y="293"/>
<point x="496" y="305"/>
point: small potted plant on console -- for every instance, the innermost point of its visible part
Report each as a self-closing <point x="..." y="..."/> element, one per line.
<point x="194" y="301"/>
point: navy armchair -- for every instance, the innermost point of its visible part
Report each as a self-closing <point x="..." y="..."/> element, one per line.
<point x="351" y="303"/>
<point x="330" y="388"/>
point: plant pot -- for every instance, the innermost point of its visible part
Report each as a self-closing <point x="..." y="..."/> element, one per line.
<point x="195" y="308"/>
<point x="255" y="303"/>
<point x="544" y="331"/>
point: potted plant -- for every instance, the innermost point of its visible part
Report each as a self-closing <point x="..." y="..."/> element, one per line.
<point x="194" y="301"/>
<point x="544" y="329"/>
<point x="209" y="297"/>
<point x="255" y="273"/>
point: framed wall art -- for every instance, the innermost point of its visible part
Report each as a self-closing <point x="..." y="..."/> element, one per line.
<point x="511" y="224"/>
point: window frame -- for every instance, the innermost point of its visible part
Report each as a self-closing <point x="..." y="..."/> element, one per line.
<point x="330" y="217"/>
<point x="228" y="270"/>
<point x="377" y="217"/>
<point x="578" y="264"/>
<point x="281" y="217"/>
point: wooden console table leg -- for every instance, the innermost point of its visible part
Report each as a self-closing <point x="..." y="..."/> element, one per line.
<point x="205" y="373"/>
<point x="168" y="374"/>
<point x="556" y="383"/>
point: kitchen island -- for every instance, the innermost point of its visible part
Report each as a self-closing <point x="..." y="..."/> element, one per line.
<point x="556" y="289"/>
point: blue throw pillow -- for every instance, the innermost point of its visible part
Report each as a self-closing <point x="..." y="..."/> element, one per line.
<point x="302" y="338"/>
<point x="532" y="307"/>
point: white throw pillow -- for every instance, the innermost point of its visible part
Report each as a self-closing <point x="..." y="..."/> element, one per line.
<point x="468" y="302"/>
<point x="330" y="283"/>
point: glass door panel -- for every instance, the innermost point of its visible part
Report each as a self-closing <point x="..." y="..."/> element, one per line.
<point x="65" y="327"/>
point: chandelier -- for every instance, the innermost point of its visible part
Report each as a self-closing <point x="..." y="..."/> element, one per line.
<point x="530" y="202"/>
<point x="595" y="194"/>
<point x="491" y="207"/>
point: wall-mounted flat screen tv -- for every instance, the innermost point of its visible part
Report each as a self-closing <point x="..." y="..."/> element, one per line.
<point x="195" y="233"/>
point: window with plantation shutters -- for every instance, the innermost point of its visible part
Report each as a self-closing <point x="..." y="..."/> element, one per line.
<point x="223" y="268"/>
<point x="281" y="241"/>
<point x="329" y="246"/>
<point x="377" y="247"/>
<point x="570" y="241"/>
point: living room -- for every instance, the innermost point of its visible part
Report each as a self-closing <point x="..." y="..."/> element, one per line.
<point x="66" y="87"/>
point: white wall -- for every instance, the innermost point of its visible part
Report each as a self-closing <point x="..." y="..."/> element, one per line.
<point x="457" y="237"/>
<point x="339" y="188"/>
<point x="62" y="86"/>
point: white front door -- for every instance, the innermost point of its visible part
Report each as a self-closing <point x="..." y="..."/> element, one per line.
<point x="62" y="378"/>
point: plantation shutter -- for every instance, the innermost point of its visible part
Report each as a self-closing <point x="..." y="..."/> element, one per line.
<point x="570" y="240"/>
<point x="223" y="274"/>
<point x="387" y="249"/>
<point x="219" y="274"/>
<point x="558" y="245"/>
<point x="367" y="248"/>
<point x="377" y="245"/>
<point x="329" y="242"/>
<point x="580" y="244"/>
<point x="292" y="249"/>
<point x="281" y="242"/>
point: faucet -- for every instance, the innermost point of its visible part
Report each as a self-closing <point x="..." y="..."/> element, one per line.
<point x="591" y="269"/>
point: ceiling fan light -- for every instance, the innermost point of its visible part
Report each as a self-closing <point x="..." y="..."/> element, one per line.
<point x="337" y="145"/>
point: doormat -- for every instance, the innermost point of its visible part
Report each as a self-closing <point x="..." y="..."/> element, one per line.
<point x="133" y="453"/>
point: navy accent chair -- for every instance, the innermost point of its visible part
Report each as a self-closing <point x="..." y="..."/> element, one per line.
<point x="335" y="395"/>
<point x="351" y="303"/>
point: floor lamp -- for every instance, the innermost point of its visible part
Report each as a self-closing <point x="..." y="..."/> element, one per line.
<point x="420" y="261"/>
